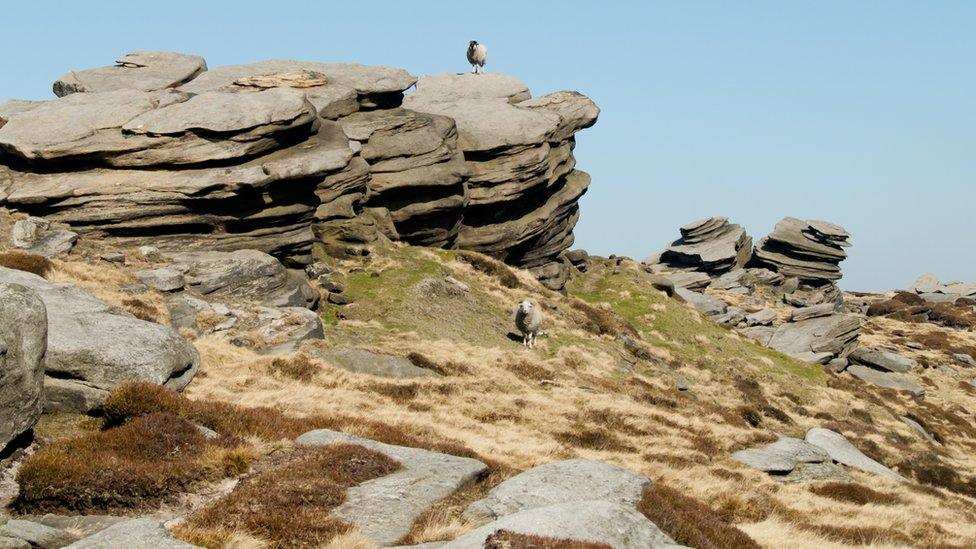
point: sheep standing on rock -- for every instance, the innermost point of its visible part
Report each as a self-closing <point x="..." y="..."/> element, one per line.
<point x="528" y="319"/>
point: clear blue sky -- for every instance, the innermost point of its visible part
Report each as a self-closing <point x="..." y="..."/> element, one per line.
<point x="861" y="113"/>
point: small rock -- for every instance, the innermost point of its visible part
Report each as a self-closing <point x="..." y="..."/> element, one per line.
<point x="732" y="317"/>
<point x="113" y="257"/>
<point x="781" y="456"/>
<point x="842" y="451"/>
<point x="963" y="358"/>
<point x="764" y="317"/>
<point x="882" y="359"/>
<point x="150" y="253"/>
<point x="36" y="534"/>
<point x="317" y="269"/>
<point x="814" y="311"/>
<point x="332" y="286"/>
<point x="790" y="285"/>
<point x="27" y="232"/>
<point x="914" y="345"/>
<point x="164" y="280"/>
<point x="836" y="366"/>
<point x="339" y="299"/>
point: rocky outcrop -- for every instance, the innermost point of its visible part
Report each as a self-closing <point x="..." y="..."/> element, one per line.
<point x="808" y="250"/>
<point x="711" y="245"/>
<point x="930" y="288"/>
<point x="23" y="342"/>
<point x="92" y="347"/>
<point x="842" y="451"/>
<point x="817" y="339"/>
<point x="280" y="155"/>
<point x="792" y="460"/>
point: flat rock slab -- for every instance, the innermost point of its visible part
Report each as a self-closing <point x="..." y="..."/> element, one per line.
<point x="888" y="380"/>
<point x="705" y="304"/>
<point x="574" y="480"/>
<point x="885" y="360"/>
<point x="621" y="526"/>
<point x="448" y="87"/>
<point x="842" y="451"/>
<point x="813" y="311"/>
<point x="134" y="533"/>
<point x="79" y="525"/>
<point x="37" y="535"/>
<point x="92" y="347"/>
<point x="781" y="456"/>
<point x="361" y="361"/>
<point x="817" y="338"/>
<point x="140" y="70"/>
<point x="764" y="317"/>
<point x="385" y="508"/>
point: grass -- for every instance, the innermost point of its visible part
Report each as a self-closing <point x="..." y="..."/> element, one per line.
<point x="491" y="267"/>
<point x="134" y="466"/>
<point x="690" y="522"/>
<point x="855" y="493"/>
<point x="298" y="367"/>
<point x="290" y="505"/>
<point x="28" y="262"/>
<point x="505" y="539"/>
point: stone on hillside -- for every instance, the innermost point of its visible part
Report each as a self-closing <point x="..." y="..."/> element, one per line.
<point x="808" y="250"/>
<point x="781" y="456"/>
<point x="882" y="359"/>
<point x="889" y="380"/>
<point x="733" y="280"/>
<point x="919" y="428"/>
<point x="817" y="339"/>
<point x="13" y="543"/>
<point x="570" y="481"/>
<point x="619" y="525"/>
<point x="688" y="280"/>
<point x="361" y="361"/>
<point x="764" y="317"/>
<point x="92" y="347"/>
<point x="384" y="509"/>
<point x="137" y="532"/>
<point x="78" y="525"/>
<point x="842" y="451"/>
<point x="140" y="70"/>
<point x="23" y="343"/>
<point x="733" y="316"/>
<point x="711" y="245"/>
<point x="37" y="535"/>
<point x="926" y="284"/>
<point x="836" y="365"/>
<point x="287" y="327"/>
<point x="761" y="334"/>
<point x="164" y="280"/>
<point x="706" y="304"/>
<point x="35" y="235"/>
<point x="244" y="274"/>
<point x="965" y="359"/>
<point x="813" y="311"/>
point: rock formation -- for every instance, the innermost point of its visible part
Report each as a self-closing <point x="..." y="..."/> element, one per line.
<point x="808" y="250"/>
<point x="280" y="155"/>
<point x="711" y="245"/>
<point x="23" y="342"/>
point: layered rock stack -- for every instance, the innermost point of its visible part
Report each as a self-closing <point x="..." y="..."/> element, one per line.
<point x="711" y="245"/>
<point x="808" y="250"/>
<point x="281" y="155"/>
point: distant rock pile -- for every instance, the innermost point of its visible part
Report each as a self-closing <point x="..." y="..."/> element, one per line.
<point x="711" y="245"/>
<point x="929" y="288"/>
<point x="808" y="250"/>
<point x="280" y="155"/>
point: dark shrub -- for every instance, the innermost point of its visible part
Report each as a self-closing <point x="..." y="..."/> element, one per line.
<point x="690" y="522"/>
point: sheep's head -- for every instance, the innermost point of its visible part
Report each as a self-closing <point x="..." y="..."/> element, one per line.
<point x="525" y="307"/>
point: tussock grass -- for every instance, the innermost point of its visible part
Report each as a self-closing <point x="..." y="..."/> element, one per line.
<point x="855" y="493"/>
<point x="690" y="522"/>
<point x="28" y="262"/>
<point x="491" y="267"/>
<point x="290" y="504"/>
<point x="298" y="367"/>
<point x="137" y="465"/>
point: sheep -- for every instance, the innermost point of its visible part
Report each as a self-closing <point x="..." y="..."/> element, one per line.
<point x="477" y="56"/>
<point x="528" y="319"/>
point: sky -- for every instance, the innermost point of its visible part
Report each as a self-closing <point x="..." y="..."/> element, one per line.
<point x="860" y="113"/>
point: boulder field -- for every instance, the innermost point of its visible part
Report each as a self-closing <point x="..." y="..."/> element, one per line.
<point x="280" y="155"/>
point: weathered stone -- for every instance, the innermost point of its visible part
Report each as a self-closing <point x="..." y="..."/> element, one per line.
<point x="618" y="525"/>
<point x="809" y="250"/>
<point x="23" y="343"/>
<point x="13" y="543"/>
<point x="570" y="481"/>
<point x="361" y="361"/>
<point x="813" y="311"/>
<point x="836" y="365"/>
<point x="764" y="317"/>
<point x="781" y="456"/>
<point x="817" y="339"/>
<point x="964" y="358"/>
<point x="575" y="110"/>
<point x="164" y="280"/>
<point x="761" y="334"/>
<point x="140" y="70"/>
<point x="35" y="235"/>
<point x="712" y="245"/>
<point x="882" y="378"/>
<point x="425" y="478"/>
<point x="138" y="532"/>
<point x="688" y="280"/>
<point x="706" y="304"/>
<point x="92" y="347"/>
<point x="37" y="535"/>
<point x="882" y="359"/>
<point x="842" y="451"/>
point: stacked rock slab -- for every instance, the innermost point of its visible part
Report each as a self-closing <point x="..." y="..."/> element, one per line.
<point x="808" y="250"/>
<point x="278" y="155"/>
<point x="522" y="187"/>
<point x="711" y="245"/>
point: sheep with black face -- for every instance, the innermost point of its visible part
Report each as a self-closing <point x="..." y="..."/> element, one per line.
<point x="477" y="56"/>
<point x="528" y="319"/>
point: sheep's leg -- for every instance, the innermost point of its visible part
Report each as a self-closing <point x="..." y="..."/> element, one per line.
<point x="531" y="340"/>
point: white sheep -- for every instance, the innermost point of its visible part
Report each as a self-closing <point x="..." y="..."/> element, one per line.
<point x="528" y="319"/>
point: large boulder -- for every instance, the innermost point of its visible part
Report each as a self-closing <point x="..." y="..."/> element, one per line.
<point x="842" y="451"/>
<point x="882" y="360"/>
<point x="385" y="508"/>
<point x="92" y="347"/>
<point x="575" y="480"/>
<point x="248" y="275"/>
<point x="140" y="70"/>
<point x="817" y="339"/>
<point x="711" y="245"/>
<point x="23" y="342"/>
<point x="808" y="250"/>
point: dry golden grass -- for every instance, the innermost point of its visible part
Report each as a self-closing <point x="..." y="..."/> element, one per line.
<point x="23" y="261"/>
<point x="106" y="283"/>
